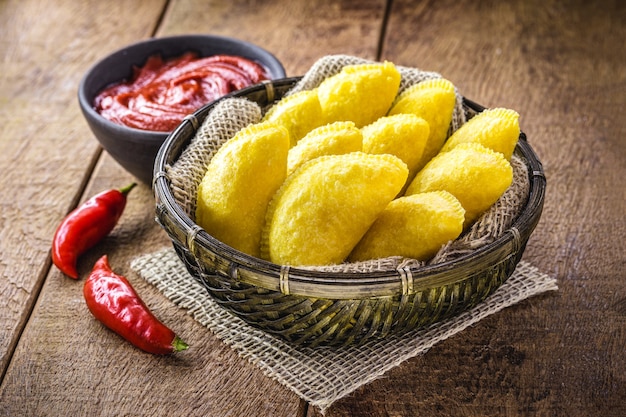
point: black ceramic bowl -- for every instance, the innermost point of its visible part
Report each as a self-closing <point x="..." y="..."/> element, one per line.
<point x="136" y="149"/>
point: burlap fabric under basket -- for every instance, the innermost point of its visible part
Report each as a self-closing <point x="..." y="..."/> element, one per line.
<point x="319" y="320"/>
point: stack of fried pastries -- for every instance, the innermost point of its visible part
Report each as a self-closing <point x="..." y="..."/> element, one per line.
<point x="356" y="170"/>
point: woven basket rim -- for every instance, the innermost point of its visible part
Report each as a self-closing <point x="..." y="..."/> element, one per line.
<point x="323" y="284"/>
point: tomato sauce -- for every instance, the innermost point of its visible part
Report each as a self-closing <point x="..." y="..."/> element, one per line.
<point x="161" y="93"/>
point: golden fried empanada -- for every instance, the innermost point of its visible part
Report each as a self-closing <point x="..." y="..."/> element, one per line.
<point x="332" y="139"/>
<point x="497" y="129"/>
<point x="415" y="226"/>
<point x="401" y="135"/>
<point x="239" y="183"/>
<point x="474" y="174"/>
<point x="299" y="113"/>
<point x="359" y="93"/>
<point x="326" y="206"/>
<point x="433" y="100"/>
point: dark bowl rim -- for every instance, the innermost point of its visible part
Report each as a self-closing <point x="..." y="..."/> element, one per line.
<point x="85" y="102"/>
<point x="431" y="275"/>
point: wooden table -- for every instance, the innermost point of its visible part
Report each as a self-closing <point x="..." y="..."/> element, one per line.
<point x="561" y="64"/>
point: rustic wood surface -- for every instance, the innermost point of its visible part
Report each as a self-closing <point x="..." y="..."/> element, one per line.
<point x="561" y="64"/>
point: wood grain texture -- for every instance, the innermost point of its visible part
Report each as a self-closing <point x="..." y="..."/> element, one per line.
<point x="559" y="64"/>
<point x="46" y="149"/>
<point x="297" y="32"/>
<point x="66" y="363"/>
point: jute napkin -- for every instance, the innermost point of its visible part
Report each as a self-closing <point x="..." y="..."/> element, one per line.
<point x="323" y="375"/>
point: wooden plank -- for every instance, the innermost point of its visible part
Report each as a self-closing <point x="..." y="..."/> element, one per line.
<point x="46" y="150"/>
<point x="562" y="66"/>
<point x="66" y="363"/>
<point x="297" y="32"/>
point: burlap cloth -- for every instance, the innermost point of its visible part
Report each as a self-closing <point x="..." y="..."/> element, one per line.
<point x="322" y="375"/>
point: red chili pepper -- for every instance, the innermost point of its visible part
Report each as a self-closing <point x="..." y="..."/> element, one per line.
<point x="87" y="225"/>
<point x="114" y="302"/>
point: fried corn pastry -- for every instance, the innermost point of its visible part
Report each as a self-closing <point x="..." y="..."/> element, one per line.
<point x="401" y="135"/>
<point x="332" y="139"/>
<point x="299" y="113"/>
<point x="359" y="93"/>
<point x="474" y="174"/>
<point x="414" y="226"/>
<point x="433" y="100"/>
<point x="326" y="206"/>
<point x="239" y="183"/>
<point x="497" y="129"/>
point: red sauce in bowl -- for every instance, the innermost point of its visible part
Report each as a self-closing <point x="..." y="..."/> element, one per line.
<point x="162" y="93"/>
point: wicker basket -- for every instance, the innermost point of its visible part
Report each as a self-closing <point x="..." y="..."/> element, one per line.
<point x="312" y="308"/>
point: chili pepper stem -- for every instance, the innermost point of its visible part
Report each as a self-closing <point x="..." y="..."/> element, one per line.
<point x="127" y="189"/>
<point x="178" y="344"/>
